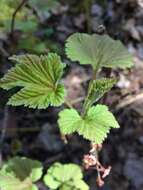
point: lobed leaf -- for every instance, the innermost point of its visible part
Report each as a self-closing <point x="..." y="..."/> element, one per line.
<point x="22" y="168"/>
<point x="98" y="51"/>
<point x="94" y="126"/>
<point x="68" y="120"/>
<point x="20" y="173"/>
<point x="65" y="177"/>
<point x="39" y="77"/>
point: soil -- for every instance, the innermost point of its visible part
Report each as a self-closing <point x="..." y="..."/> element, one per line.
<point x="35" y="134"/>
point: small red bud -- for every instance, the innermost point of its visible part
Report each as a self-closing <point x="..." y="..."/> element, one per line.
<point x="99" y="181"/>
<point x="106" y="172"/>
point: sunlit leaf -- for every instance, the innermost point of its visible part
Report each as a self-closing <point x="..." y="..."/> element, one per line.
<point x="39" y="77"/>
<point x="65" y="176"/>
<point x="98" y="50"/>
<point x="94" y="126"/>
<point x="9" y="182"/>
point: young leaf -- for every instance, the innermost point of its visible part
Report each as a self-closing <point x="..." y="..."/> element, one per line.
<point x="97" y="50"/>
<point x="94" y="126"/>
<point x="39" y="78"/>
<point x="23" y="168"/>
<point x="97" y="89"/>
<point x="65" y="177"/>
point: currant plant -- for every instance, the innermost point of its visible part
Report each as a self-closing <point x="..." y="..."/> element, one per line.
<point x="39" y="80"/>
<point x="94" y="122"/>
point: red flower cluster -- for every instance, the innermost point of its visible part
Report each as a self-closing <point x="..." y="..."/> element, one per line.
<point x="91" y="161"/>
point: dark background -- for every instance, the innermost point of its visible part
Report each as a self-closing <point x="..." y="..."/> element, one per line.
<point x="34" y="133"/>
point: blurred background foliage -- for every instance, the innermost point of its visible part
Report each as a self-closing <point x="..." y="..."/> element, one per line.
<point x="29" y="21"/>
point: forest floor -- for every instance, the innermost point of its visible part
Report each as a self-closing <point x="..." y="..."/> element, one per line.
<point x="34" y="133"/>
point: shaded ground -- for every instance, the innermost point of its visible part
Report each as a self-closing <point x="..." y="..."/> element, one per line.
<point x="35" y="134"/>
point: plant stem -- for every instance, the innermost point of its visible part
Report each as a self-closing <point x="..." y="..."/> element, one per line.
<point x="68" y="104"/>
<point x="15" y="13"/>
<point x="87" y="102"/>
<point x="87" y="7"/>
<point x="3" y="130"/>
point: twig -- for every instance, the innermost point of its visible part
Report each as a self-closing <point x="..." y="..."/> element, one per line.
<point x="3" y="51"/>
<point x="129" y="101"/>
<point x="3" y="131"/>
<point x="77" y="100"/>
<point x="14" y="15"/>
<point x="22" y="129"/>
<point x="87" y="7"/>
<point x="108" y="72"/>
<point x="68" y="104"/>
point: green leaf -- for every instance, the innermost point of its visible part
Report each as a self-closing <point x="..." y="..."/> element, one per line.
<point x="20" y="173"/>
<point x="97" y="88"/>
<point x="69" y="118"/>
<point x="27" y="26"/>
<point x="25" y="20"/>
<point x="39" y="77"/>
<point x="9" y="182"/>
<point x="34" y="187"/>
<point x="94" y="126"/>
<point x="31" y="44"/>
<point x="51" y="182"/>
<point x="80" y="184"/>
<point x="23" y="168"/>
<point x="65" y="177"/>
<point x="98" y="50"/>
